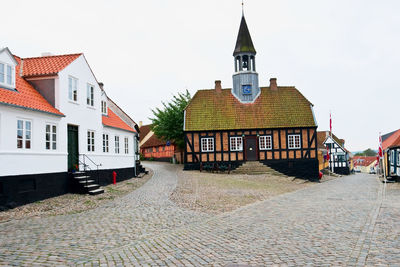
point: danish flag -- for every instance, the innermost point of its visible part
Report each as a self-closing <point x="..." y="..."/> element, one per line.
<point x="380" y="151"/>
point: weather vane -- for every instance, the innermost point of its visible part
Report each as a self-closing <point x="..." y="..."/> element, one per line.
<point x="242" y="7"/>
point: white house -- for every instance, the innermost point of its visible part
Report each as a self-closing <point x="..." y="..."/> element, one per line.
<point x="55" y="116"/>
<point x="339" y="161"/>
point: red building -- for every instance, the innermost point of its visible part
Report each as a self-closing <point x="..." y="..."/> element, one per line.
<point x="151" y="147"/>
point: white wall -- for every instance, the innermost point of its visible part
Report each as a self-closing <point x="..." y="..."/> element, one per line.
<point x="90" y="118"/>
<point x="15" y="161"/>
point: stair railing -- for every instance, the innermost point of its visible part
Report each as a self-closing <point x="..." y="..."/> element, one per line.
<point x="84" y="157"/>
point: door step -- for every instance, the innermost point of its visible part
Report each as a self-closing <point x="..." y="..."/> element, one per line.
<point x="256" y="168"/>
<point x="96" y="191"/>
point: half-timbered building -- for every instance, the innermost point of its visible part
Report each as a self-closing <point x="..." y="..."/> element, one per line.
<point x="339" y="156"/>
<point x="391" y="149"/>
<point x="274" y="125"/>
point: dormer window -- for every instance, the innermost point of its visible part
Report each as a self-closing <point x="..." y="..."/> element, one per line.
<point x="7" y="78"/>
<point x="104" y="107"/>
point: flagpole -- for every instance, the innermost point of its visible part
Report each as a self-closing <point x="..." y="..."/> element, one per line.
<point x="330" y="127"/>
<point x="383" y="157"/>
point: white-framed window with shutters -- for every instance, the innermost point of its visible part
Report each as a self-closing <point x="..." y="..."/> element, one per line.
<point x="24" y="134"/>
<point x="7" y="75"/>
<point x="294" y="141"/>
<point x="105" y="143"/>
<point x="265" y="142"/>
<point x="104" y="107"/>
<point x="90" y="95"/>
<point x="51" y="136"/>
<point x="236" y="143"/>
<point x="207" y="144"/>
<point x="126" y="145"/>
<point x="90" y="141"/>
<point x="116" y="145"/>
<point x="73" y="89"/>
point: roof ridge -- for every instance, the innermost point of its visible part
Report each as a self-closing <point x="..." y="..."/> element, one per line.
<point x="63" y="55"/>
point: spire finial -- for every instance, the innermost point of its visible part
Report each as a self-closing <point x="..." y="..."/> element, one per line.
<point x="242" y="8"/>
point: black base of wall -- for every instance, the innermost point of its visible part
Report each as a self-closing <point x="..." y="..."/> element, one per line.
<point x="22" y="189"/>
<point x="105" y="177"/>
<point x="159" y="159"/>
<point x="342" y="170"/>
<point x="300" y="168"/>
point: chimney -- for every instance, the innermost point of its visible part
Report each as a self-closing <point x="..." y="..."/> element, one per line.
<point x="272" y="84"/>
<point x="218" y="87"/>
<point x="101" y="85"/>
<point x="140" y="124"/>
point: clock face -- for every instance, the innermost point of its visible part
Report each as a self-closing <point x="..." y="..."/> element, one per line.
<point x="246" y="89"/>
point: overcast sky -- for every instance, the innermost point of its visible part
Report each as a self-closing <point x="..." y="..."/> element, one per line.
<point x="343" y="55"/>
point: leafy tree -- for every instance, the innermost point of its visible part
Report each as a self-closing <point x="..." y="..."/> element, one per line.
<point x="367" y="153"/>
<point x="168" y="121"/>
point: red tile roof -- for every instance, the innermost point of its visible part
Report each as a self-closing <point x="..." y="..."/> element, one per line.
<point x="112" y="120"/>
<point x="392" y="140"/>
<point x="25" y="95"/>
<point x="49" y="65"/>
<point x="363" y="161"/>
<point x="144" y="130"/>
<point x="212" y="110"/>
<point x="153" y="140"/>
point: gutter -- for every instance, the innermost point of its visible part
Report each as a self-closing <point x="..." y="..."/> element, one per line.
<point x="32" y="109"/>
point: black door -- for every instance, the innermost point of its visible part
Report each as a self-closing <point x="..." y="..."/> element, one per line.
<point x="251" y="148"/>
<point x="73" y="150"/>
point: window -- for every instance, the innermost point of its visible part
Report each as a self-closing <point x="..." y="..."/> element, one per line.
<point x="105" y="143"/>
<point x="236" y="143"/>
<point x="265" y="142"/>
<point x="6" y="74"/>
<point x="116" y="144"/>
<point x="90" y="95"/>
<point x="294" y="141"/>
<point x="104" y="107"/>
<point x="398" y="158"/>
<point x="51" y="137"/>
<point x="2" y="72"/>
<point x="126" y="140"/>
<point x="90" y="141"/>
<point x="207" y="144"/>
<point x="24" y="134"/>
<point x="73" y="89"/>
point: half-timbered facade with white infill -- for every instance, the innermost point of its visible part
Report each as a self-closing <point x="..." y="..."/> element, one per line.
<point x="274" y="125"/>
<point x="338" y="155"/>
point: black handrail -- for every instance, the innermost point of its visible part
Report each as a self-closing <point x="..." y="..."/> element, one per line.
<point x="94" y="163"/>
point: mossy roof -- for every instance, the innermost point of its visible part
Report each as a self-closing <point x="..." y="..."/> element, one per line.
<point x="244" y="44"/>
<point x="284" y="108"/>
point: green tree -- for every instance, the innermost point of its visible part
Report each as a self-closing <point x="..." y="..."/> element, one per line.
<point x="367" y="153"/>
<point x="167" y="123"/>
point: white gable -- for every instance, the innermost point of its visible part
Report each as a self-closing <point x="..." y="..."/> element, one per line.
<point x="7" y="69"/>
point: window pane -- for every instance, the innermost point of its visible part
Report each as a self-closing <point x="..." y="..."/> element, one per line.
<point x="70" y="88"/>
<point x="1" y="72"/>
<point x="47" y="145"/>
<point x="28" y="144"/>
<point x="47" y="136"/>
<point x="19" y="134"/>
<point x="19" y="143"/>
<point x="28" y="125"/>
<point x="9" y="75"/>
<point x="20" y="124"/>
<point x="54" y="145"/>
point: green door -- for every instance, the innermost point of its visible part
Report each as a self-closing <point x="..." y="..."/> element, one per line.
<point x="73" y="150"/>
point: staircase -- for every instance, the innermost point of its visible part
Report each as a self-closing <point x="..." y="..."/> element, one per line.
<point x="86" y="184"/>
<point x="255" y="168"/>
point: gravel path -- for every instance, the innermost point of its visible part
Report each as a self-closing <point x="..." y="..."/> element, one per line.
<point x="345" y="221"/>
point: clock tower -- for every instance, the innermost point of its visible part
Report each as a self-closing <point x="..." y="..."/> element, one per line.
<point x="245" y="78"/>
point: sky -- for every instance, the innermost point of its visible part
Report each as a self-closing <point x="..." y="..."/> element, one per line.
<point x="343" y="55"/>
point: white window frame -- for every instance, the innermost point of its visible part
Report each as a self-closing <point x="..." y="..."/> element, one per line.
<point x="106" y="144"/>
<point x="126" y="145"/>
<point x="72" y="89"/>
<point x="263" y="141"/>
<point x="292" y="143"/>
<point x="103" y="107"/>
<point x="236" y="143"/>
<point x="8" y="75"/>
<point x="116" y="144"/>
<point x="24" y="138"/>
<point x="90" y="95"/>
<point x="90" y="141"/>
<point x="398" y="158"/>
<point x="52" y="134"/>
<point x="207" y="144"/>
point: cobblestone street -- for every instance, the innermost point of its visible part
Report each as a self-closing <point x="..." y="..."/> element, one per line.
<point x="346" y="221"/>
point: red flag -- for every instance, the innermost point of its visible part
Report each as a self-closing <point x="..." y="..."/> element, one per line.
<point x="330" y="123"/>
<point x="380" y="151"/>
<point x="327" y="154"/>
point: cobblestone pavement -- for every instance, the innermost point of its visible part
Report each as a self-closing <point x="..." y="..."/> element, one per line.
<point x="346" y="221"/>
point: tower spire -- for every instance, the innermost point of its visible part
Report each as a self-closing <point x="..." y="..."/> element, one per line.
<point x="242" y="8"/>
